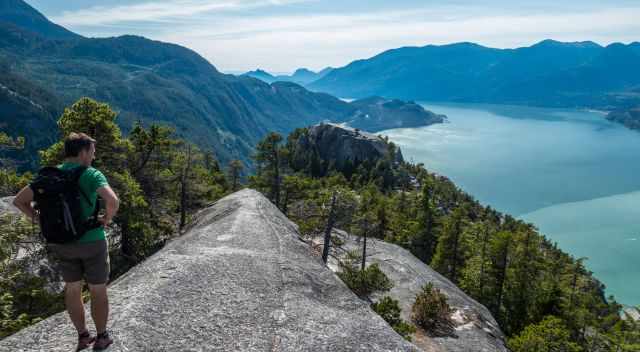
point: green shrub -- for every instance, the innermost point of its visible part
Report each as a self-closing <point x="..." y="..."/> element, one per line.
<point x="389" y="309"/>
<point x="432" y="312"/>
<point x="24" y="298"/>
<point x="363" y="282"/>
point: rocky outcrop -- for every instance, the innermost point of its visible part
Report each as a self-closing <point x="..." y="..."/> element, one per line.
<point x="339" y="144"/>
<point x="475" y="328"/>
<point x="375" y="114"/>
<point x="627" y="117"/>
<point x="631" y="313"/>
<point x="238" y="280"/>
<point x="6" y="206"/>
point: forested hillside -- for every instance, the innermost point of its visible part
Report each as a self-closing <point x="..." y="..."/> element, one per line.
<point x="143" y="80"/>
<point x="543" y="298"/>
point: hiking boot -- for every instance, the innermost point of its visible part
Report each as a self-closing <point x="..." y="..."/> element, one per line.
<point x="84" y="340"/>
<point x="102" y="341"/>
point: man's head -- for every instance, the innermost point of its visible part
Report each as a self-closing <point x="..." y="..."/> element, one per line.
<point x="80" y="148"/>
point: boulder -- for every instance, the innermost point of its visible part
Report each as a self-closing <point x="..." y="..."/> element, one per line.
<point x="475" y="329"/>
<point x="239" y="279"/>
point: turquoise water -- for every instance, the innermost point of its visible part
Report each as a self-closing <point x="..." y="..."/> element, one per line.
<point x="573" y="174"/>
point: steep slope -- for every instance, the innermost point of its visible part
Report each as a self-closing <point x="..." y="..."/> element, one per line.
<point x="26" y="109"/>
<point x="238" y="280"/>
<point x="23" y="15"/>
<point x="160" y="82"/>
<point x="549" y="73"/>
<point x="475" y="328"/>
<point x="341" y="145"/>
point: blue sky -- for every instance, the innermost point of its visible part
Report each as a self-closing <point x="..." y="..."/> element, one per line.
<point x="282" y="35"/>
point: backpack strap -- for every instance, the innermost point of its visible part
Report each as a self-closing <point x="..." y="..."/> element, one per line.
<point x="92" y="221"/>
<point x="76" y="173"/>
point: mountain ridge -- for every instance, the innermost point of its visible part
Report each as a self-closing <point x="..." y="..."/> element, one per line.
<point x="549" y="73"/>
<point x="302" y="76"/>
<point x="239" y="279"/>
<point x="154" y="82"/>
<point x="24" y="15"/>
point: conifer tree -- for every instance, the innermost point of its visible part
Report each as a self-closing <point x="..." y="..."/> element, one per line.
<point x="425" y="240"/>
<point x="452" y="247"/>
<point x="269" y="157"/>
<point x="235" y="169"/>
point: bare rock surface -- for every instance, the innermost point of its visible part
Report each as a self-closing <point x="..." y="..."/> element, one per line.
<point x="6" y="206"/>
<point x="341" y="143"/>
<point x="475" y="329"/>
<point x="238" y="280"/>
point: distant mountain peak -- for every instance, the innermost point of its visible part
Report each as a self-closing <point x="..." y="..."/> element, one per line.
<point x="261" y="75"/>
<point x="556" y="43"/>
<point x="259" y="71"/>
<point x="303" y="71"/>
<point x="25" y="17"/>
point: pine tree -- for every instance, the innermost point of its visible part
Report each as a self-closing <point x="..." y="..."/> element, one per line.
<point x="269" y="158"/>
<point x="474" y="275"/>
<point x="499" y="255"/>
<point x="424" y="241"/>
<point x="523" y="288"/>
<point x="235" y="169"/>
<point x="451" y="250"/>
<point x="366" y="222"/>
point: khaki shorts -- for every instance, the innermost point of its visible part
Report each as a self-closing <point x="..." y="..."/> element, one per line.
<point x="82" y="260"/>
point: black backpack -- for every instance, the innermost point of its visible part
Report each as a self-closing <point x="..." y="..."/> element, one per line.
<point x="57" y="196"/>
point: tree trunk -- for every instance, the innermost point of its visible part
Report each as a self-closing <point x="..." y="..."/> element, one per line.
<point x="482" y="260"/>
<point x="235" y="180"/>
<point x="276" y="179"/>
<point x="183" y="190"/>
<point x="327" y="231"/>
<point x="502" y="276"/>
<point x="364" y="250"/>
<point x="285" y="201"/>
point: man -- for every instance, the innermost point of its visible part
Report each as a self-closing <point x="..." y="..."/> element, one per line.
<point x="87" y="258"/>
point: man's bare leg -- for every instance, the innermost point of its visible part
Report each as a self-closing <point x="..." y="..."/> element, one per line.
<point x="99" y="307"/>
<point x="75" y="308"/>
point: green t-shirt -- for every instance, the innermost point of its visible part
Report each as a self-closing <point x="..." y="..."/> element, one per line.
<point x="89" y="182"/>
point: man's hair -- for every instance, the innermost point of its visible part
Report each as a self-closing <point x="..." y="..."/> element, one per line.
<point x="75" y="143"/>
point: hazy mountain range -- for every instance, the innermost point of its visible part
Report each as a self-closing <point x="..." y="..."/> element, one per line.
<point x="301" y="76"/>
<point x="549" y="73"/>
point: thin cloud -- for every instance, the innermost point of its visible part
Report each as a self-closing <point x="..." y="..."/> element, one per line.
<point x="166" y="11"/>
<point x="283" y="40"/>
<point x="282" y="43"/>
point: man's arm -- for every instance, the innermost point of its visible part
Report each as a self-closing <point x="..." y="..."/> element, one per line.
<point x="23" y="201"/>
<point x="111" y="204"/>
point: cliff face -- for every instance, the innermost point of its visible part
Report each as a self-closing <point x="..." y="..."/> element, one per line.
<point x="475" y="328"/>
<point x="238" y="280"/>
<point x="340" y="143"/>
<point x="627" y="117"/>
